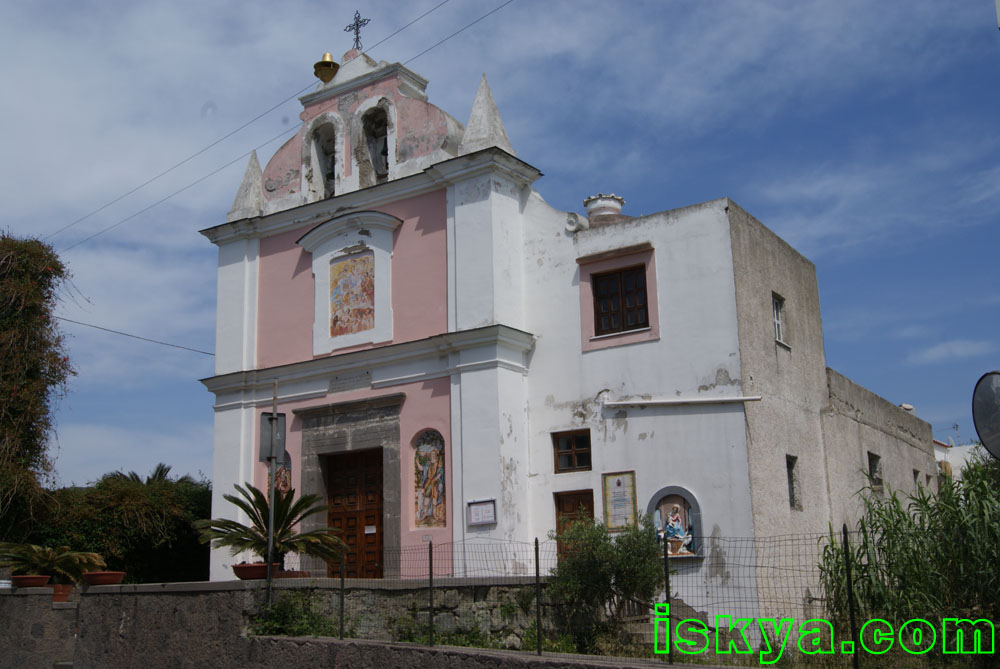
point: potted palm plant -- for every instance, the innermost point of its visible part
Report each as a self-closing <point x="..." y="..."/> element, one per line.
<point x="288" y="513"/>
<point x="34" y="565"/>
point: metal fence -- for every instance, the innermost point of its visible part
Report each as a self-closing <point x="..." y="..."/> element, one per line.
<point x="492" y="594"/>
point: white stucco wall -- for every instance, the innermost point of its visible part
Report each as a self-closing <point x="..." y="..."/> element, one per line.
<point x="236" y="311"/>
<point x="698" y="447"/>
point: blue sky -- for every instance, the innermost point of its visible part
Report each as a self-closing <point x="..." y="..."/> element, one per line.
<point x="865" y="134"/>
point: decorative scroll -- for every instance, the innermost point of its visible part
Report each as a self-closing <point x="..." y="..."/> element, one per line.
<point x="428" y="470"/>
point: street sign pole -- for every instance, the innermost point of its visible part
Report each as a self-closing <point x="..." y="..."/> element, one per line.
<point x="270" y="487"/>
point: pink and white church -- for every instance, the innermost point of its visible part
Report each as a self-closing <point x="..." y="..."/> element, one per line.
<point x="458" y="361"/>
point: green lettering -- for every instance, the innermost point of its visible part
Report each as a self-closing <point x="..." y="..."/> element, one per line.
<point x="661" y="616"/>
<point x="879" y="636"/>
<point x="822" y="630"/>
<point x="980" y="628"/>
<point x="917" y="636"/>
<point x="687" y="645"/>
<point x="731" y="645"/>
<point x="766" y="647"/>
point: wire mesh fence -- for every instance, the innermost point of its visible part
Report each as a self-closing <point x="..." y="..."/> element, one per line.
<point x="733" y="592"/>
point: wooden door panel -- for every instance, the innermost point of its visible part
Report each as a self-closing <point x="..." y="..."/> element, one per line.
<point x="571" y="506"/>
<point x="355" y="494"/>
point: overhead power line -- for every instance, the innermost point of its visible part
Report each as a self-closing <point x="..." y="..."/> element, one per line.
<point x="178" y="191"/>
<point x="434" y="46"/>
<point x="223" y="138"/>
<point x="126" y="334"/>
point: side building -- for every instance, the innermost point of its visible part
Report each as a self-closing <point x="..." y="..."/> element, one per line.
<point x="458" y="361"/>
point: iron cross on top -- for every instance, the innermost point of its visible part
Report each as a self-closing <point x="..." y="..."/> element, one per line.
<point x="356" y="29"/>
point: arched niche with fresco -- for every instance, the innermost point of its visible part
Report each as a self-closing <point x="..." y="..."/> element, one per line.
<point x="429" y="505"/>
<point x="677" y="516"/>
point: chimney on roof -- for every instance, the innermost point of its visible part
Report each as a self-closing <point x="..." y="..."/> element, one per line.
<point x="603" y="208"/>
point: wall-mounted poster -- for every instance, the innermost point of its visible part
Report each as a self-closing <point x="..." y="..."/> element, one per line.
<point x="352" y="294"/>
<point x="428" y="471"/>
<point x="673" y="521"/>
<point x="482" y="512"/>
<point x="619" y="499"/>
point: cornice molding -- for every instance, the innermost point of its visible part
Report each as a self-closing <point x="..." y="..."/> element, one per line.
<point x="438" y="176"/>
<point x="414" y="80"/>
<point x="434" y="357"/>
<point x="337" y="225"/>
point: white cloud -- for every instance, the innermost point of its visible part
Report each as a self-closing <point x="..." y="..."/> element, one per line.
<point x="89" y="451"/>
<point x="955" y="349"/>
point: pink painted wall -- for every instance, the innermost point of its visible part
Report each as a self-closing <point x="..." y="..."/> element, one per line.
<point x="427" y="405"/>
<point x="283" y="173"/>
<point x="419" y="284"/>
<point x="420" y="129"/>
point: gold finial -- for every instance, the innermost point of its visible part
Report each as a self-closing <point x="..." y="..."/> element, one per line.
<point x="326" y="69"/>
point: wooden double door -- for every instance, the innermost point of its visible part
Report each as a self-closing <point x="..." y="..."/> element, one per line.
<point x="354" y="491"/>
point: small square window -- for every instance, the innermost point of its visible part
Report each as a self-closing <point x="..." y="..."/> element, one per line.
<point x="794" y="497"/>
<point x="875" y="472"/>
<point x="778" y="307"/>
<point x="916" y="476"/>
<point x="620" y="301"/>
<point x="571" y="451"/>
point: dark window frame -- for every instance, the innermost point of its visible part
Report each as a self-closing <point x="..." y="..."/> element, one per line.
<point x="630" y="306"/>
<point x="575" y="451"/>
<point x="778" y="313"/>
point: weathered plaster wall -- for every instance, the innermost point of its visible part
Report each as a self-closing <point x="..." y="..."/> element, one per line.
<point x="418" y="279"/>
<point x="791" y="379"/>
<point x="420" y="134"/>
<point x="856" y="421"/>
<point x="698" y="447"/>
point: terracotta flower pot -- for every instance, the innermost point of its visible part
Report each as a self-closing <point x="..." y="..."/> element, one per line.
<point x="103" y="577"/>
<point x="61" y="592"/>
<point x="29" y="580"/>
<point x="255" y="570"/>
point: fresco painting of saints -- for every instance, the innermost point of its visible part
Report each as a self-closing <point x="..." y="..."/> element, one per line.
<point x="428" y="481"/>
<point x="352" y="295"/>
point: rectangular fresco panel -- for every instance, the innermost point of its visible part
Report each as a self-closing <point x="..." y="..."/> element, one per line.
<point x="352" y="294"/>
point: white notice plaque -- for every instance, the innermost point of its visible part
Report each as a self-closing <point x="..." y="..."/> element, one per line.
<point x="482" y="512"/>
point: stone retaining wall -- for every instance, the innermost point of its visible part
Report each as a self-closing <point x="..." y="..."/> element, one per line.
<point x="205" y="624"/>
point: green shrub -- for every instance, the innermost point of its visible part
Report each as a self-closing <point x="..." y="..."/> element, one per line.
<point x="294" y="613"/>
<point x="926" y="555"/>
<point x="598" y="573"/>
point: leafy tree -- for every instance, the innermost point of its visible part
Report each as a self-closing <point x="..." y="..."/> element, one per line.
<point x="598" y="573"/>
<point x="33" y="373"/>
<point x="142" y="527"/>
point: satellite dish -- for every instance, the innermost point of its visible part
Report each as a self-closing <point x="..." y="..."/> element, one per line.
<point x="986" y="411"/>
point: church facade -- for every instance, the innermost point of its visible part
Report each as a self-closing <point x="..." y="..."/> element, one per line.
<point x="458" y="361"/>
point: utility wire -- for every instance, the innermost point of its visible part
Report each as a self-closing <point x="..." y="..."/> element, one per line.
<point x="178" y="191"/>
<point x="259" y="116"/>
<point x="174" y="167"/>
<point x="458" y="31"/>
<point x="126" y="334"/>
<point x="224" y="137"/>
